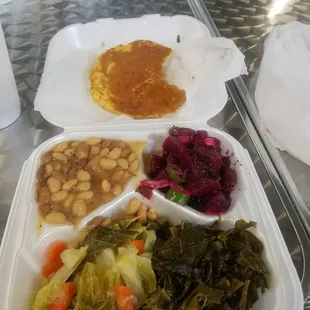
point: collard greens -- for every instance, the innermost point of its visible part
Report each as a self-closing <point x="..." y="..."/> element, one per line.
<point x="203" y="267"/>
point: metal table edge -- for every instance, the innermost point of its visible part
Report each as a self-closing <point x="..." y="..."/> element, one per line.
<point x="275" y="167"/>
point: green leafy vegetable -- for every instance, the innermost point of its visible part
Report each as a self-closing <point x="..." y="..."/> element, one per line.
<point x="72" y="257"/>
<point x="203" y="267"/>
<point x="106" y="259"/>
<point x="182" y="267"/>
<point x="101" y="238"/>
<point x="159" y="300"/>
<point x="46" y="294"/>
<point x="137" y="273"/>
<point x="150" y="240"/>
<point x="147" y="274"/>
<point x="201" y="297"/>
<point x="244" y="295"/>
<point x="96" y="289"/>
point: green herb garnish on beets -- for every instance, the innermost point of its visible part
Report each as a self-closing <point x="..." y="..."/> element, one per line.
<point x="177" y="197"/>
<point x="174" y="176"/>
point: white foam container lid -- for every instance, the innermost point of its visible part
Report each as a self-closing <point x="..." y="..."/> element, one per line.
<point x="23" y="245"/>
<point x="199" y="64"/>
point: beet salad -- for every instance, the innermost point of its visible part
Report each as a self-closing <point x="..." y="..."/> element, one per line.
<point x="191" y="170"/>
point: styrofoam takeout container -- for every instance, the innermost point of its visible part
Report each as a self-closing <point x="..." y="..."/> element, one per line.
<point x="24" y="243"/>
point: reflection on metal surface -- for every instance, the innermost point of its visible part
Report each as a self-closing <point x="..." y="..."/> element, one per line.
<point x="248" y="23"/>
<point x="30" y="24"/>
<point x="277" y="8"/>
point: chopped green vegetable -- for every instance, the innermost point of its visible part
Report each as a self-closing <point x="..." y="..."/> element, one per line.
<point x="147" y="274"/>
<point x="203" y="267"/>
<point x="150" y="240"/>
<point x="46" y="294"/>
<point x="244" y="295"/>
<point x="101" y="238"/>
<point x="201" y="297"/>
<point x="174" y="176"/>
<point x="72" y="257"/>
<point x="177" y="197"/>
<point x="122" y="251"/>
<point x="137" y="273"/>
<point x="168" y="267"/>
<point x="96" y="289"/>
<point x="106" y="259"/>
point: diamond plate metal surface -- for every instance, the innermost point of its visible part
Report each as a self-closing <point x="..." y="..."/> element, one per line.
<point x="28" y="26"/>
<point x="248" y="23"/>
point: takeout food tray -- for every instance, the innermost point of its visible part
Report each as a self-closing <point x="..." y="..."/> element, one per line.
<point x="25" y="241"/>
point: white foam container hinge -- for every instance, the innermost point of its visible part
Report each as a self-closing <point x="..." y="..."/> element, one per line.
<point x="23" y="244"/>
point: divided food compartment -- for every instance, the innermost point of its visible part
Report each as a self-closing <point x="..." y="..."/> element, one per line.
<point x="24" y="241"/>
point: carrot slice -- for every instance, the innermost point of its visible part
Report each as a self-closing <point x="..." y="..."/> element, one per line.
<point x="63" y="302"/>
<point x="50" y="268"/>
<point x="139" y="244"/>
<point x="54" y="250"/>
<point x="125" y="298"/>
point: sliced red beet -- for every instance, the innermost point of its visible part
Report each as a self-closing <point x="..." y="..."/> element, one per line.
<point x="215" y="210"/>
<point x="172" y="162"/>
<point x="177" y="149"/>
<point x="162" y="175"/>
<point x="199" y="137"/>
<point x="195" y="157"/>
<point x="157" y="184"/>
<point x="209" y="142"/>
<point x="211" y="157"/>
<point x="204" y="187"/>
<point x="145" y="191"/>
<point x="196" y="203"/>
<point x="229" y="179"/>
<point x="217" y="204"/>
<point x="213" y="143"/>
<point x="157" y="164"/>
<point x="181" y="131"/>
<point x="181" y="189"/>
<point x="198" y="173"/>
<point x="184" y="139"/>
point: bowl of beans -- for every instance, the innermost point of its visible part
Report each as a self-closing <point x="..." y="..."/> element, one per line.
<point x="76" y="177"/>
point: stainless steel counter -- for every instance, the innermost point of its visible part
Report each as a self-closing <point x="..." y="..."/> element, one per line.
<point x="248" y="23"/>
<point x="28" y="27"/>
